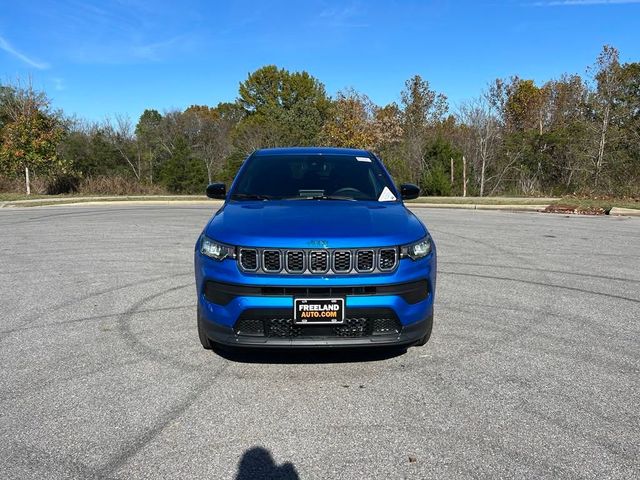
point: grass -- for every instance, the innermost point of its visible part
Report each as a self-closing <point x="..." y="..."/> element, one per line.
<point x="579" y="203"/>
<point x="485" y="200"/>
<point x="593" y="203"/>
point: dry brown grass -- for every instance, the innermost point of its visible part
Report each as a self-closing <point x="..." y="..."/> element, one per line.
<point x="117" y="186"/>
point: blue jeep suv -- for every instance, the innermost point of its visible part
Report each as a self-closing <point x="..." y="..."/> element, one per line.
<point x="314" y="247"/>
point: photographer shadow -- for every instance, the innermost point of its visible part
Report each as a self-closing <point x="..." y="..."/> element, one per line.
<point x="257" y="464"/>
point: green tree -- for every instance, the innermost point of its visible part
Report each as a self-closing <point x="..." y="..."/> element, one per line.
<point x="147" y="133"/>
<point x="422" y="109"/>
<point x="282" y="108"/>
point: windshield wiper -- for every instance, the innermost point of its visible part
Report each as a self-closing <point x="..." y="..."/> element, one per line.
<point x="320" y="197"/>
<point x="249" y="196"/>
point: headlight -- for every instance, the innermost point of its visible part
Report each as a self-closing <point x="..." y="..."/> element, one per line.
<point x="215" y="250"/>
<point x="417" y="250"/>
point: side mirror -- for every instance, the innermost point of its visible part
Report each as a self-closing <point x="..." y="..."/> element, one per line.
<point x="409" y="191"/>
<point x="217" y="190"/>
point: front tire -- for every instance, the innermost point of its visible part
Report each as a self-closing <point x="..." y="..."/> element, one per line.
<point x="204" y="340"/>
<point x="423" y="341"/>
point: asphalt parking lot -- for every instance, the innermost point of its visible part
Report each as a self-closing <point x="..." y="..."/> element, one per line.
<point x="532" y="370"/>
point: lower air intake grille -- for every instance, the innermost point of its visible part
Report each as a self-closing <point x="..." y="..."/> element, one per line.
<point x="279" y="324"/>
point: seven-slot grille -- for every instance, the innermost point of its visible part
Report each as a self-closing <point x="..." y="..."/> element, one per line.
<point x="337" y="261"/>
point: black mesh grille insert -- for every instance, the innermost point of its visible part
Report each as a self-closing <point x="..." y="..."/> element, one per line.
<point x="342" y="261"/>
<point x="318" y="261"/>
<point x="295" y="261"/>
<point x="387" y="259"/>
<point x="248" y="259"/>
<point x="386" y="326"/>
<point x="279" y="323"/>
<point x="250" y="326"/>
<point x="271" y="261"/>
<point x="364" y="261"/>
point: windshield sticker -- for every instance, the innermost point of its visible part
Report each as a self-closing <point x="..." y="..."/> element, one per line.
<point x="387" y="196"/>
<point x="363" y="159"/>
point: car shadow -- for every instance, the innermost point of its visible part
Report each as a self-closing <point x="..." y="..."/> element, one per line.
<point x="257" y="464"/>
<point x="300" y="356"/>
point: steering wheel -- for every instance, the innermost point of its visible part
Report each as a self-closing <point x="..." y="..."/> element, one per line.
<point x="348" y="191"/>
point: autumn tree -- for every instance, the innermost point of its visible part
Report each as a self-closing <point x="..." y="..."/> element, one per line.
<point x="351" y="123"/>
<point x="30" y="134"/>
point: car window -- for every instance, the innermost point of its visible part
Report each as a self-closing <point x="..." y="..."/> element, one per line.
<point x="311" y="176"/>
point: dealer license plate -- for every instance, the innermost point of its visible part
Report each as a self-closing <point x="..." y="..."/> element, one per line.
<point x="318" y="310"/>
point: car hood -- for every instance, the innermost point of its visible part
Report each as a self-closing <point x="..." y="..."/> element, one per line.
<point x="314" y="224"/>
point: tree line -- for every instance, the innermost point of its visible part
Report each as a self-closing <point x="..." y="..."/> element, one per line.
<point x="568" y="135"/>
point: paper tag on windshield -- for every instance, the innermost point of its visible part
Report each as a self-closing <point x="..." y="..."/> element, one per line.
<point x="386" y="196"/>
<point x="363" y="159"/>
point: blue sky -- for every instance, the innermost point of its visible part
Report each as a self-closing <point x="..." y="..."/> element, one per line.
<point x="121" y="56"/>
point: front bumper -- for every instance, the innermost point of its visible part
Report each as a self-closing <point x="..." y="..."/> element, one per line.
<point x="227" y="296"/>
<point x="409" y="335"/>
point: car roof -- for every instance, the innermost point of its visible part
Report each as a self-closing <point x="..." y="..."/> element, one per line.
<point x="312" y="151"/>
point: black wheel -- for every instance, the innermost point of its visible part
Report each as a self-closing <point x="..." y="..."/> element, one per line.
<point x="204" y="340"/>
<point x="423" y="341"/>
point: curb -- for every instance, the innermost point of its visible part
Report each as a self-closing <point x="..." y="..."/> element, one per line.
<point x="629" y="212"/>
<point x="469" y="206"/>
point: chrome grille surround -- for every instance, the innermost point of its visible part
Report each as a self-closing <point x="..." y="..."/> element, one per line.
<point x="272" y="261"/>
<point x="319" y="261"/>
<point x="248" y="259"/>
<point x="295" y="261"/>
<point x="339" y="261"/>
<point x="387" y="259"/>
<point x="365" y="261"/>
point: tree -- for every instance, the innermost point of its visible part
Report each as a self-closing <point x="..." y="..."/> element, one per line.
<point x="482" y="129"/>
<point x="213" y="134"/>
<point x="606" y="73"/>
<point x="120" y="134"/>
<point x="351" y="121"/>
<point x="147" y="134"/>
<point x="422" y="108"/>
<point x="284" y="108"/>
<point x="30" y="134"/>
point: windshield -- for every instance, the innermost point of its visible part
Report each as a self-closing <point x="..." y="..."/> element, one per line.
<point x="303" y="177"/>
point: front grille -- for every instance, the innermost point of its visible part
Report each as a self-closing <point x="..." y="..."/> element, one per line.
<point x="336" y="261"/>
<point x="271" y="261"/>
<point x="319" y="261"/>
<point x="295" y="261"/>
<point x="248" y="259"/>
<point x="387" y="259"/>
<point x="279" y="324"/>
<point x="365" y="261"/>
<point x="342" y="261"/>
